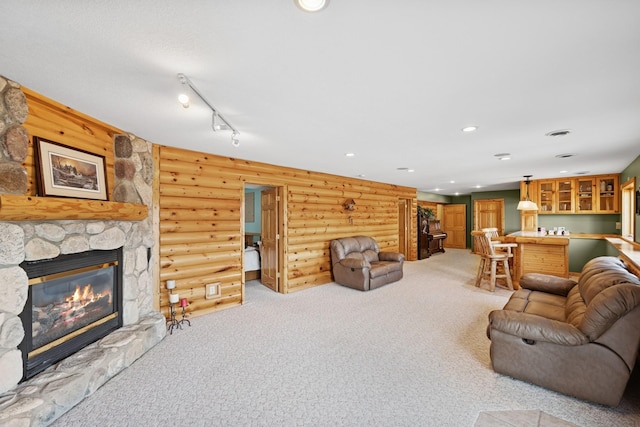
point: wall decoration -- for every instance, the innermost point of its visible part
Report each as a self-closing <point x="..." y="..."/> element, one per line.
<point x="249" y="207"/>
<point x="68" y="172"/>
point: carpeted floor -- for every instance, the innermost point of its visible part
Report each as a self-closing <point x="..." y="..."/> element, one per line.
<point x="412" y="353"/>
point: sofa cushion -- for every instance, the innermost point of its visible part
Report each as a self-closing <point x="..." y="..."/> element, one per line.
<point x="370" y="255"/>
<point x="575" y="308"/>
<point x="383" y="268"/>
<point x="596" y="283"/>
<point x="607" y="307"/>
<point x="538" y="303"/>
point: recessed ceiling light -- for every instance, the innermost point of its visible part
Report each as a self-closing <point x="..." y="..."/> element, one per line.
<point x="563" y="171"/>
<point x="452" y="182"/>
<point x="561" y="132"/>
<point x="503" y="156"/>
<point x="361" y="175"/>
<point x="311" y="5"/>
<point x="410" y="170"/>
<point x="564" y="156"/>
<point x="402" y="169"/>
<point x="470" y="129"/>
<point x="349" y="154"/>
<point x="582" y="173"/>
<point x="477" y="186"/>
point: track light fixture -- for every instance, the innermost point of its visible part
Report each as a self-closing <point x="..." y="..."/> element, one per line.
<point x="218" y="122"/>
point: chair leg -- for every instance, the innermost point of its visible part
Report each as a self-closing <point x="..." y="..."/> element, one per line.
<point x="507" y="273"/>
<point x="480" y="273"/>
<point x="492" y="284"/>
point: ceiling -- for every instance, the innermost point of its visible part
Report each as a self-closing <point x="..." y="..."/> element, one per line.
<point x="391" y="82"/>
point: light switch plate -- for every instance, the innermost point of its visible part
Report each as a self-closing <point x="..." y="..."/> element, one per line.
<point x="213" y="290"/>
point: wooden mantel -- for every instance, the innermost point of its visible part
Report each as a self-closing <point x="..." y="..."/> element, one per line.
<point x="32" y="208"/>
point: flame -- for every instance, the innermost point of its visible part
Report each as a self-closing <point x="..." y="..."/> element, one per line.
<point x="84" y="295"/>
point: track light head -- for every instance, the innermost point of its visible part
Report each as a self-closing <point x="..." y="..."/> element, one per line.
<point x="234" y="139"/>
<point x="183" y="99"/>
<point x="217" y="123"/>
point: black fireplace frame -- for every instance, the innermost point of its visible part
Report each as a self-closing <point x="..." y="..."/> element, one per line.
<point x="36" y="364"/>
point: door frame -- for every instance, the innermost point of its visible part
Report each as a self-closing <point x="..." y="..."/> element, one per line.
<point x="282" y="231"/>
<point x="404" y="221"/>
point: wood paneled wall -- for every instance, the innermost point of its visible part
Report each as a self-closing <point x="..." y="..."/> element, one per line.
<point x="199" y="210"/>
<point x="201" y="222"/>
<point x="56" y="122"/>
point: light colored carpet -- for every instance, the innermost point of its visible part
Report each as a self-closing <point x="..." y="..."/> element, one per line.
<point x="519" y="419"/>
<point x="412" y="353"/>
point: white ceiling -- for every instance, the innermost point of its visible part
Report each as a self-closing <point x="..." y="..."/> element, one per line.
<point x="392" y="82"/>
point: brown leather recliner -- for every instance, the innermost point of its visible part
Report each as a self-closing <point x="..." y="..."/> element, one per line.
<point x="581" y="339"/>
<point x="358" y="263"/>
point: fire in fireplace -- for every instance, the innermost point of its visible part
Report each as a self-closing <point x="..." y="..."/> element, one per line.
<point x="73" y="301"/>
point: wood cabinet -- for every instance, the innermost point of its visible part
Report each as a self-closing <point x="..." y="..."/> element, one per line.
<point x="586" y="195"/>
<point x="608" y="194"/>
<point x="547" y="196"/>
<point x="566" y="196"/>
<point x="580" y="195"/>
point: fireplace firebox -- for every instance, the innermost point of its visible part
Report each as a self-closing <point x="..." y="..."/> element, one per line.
<point x="73" y="301"/>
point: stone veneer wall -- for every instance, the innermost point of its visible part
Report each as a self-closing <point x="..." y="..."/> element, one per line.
<point x="35" y="240"/>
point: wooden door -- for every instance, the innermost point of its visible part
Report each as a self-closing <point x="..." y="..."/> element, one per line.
<point x="454" y="224"/>
<point x="489" y="213"/>
<point x="270" y="239"/>
<point x="403" y="227"/>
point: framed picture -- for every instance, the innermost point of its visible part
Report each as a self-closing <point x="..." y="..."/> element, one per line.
<point x="68" y="172"/>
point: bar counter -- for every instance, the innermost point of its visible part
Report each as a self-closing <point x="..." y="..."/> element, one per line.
<point x="538" y="253"/>
<point x="541" y="253"/>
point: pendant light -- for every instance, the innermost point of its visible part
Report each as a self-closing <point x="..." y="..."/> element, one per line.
<point x="526" y="204"/>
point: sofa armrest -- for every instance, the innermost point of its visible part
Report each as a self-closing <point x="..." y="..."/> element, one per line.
<point x="536" y="328"/>
<point x="390" y="256"/>
<point x="354" y="263"/>
<point x="547" y="283"/>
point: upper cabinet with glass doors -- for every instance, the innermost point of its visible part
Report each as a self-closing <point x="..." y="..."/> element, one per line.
<point x="580" y="195"/>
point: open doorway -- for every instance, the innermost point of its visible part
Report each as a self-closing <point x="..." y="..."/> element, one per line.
<point x="262" y="228"/>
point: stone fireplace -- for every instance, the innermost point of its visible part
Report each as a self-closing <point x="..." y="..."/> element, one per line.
<point x="50" y="393"/>
<point x="40" y="396"/>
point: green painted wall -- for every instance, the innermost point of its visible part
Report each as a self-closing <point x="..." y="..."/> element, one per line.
<point x="590" y="224"/>
<point x="432" y="197"/>
<point x="582" y="250"/>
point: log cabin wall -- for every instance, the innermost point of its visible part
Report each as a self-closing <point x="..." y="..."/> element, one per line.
<point x="198" y="216"/>
<point x="201" y="221"/>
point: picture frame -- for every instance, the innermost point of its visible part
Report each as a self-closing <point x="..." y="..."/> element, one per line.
<point x="63" y="171"/>
<point x="249" y="208"/>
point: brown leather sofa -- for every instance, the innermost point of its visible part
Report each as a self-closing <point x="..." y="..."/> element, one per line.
<point x="581" y="339"/>
<point x="358" y="263"/>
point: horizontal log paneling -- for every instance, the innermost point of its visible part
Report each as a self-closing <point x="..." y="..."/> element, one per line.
<point x="201" y="220"/>
<point x="182" y="226"/>
<point x="56" y="122"/>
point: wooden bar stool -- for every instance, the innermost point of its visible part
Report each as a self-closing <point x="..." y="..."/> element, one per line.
<point x="490" y="260"/>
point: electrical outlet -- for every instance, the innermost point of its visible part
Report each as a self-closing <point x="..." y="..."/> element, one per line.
<point x="213" y="290"/>
<point x="618" y="225"/>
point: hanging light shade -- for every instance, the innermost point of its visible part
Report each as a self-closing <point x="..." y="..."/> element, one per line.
<point x="526" y="204"/>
